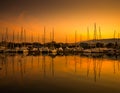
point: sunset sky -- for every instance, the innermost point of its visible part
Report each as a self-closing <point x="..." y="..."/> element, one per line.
<point x="65" y="16"/>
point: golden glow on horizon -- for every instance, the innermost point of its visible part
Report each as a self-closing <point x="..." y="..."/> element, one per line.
<point x="107" y="31"/>
<point x="64" y="25"/>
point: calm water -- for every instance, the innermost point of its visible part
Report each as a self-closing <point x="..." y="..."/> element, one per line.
<point x="59" y="74"/>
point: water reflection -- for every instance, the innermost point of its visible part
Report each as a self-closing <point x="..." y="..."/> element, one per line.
<point x="26" y="70"/>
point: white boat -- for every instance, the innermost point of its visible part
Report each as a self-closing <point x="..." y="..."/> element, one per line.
<point x="78" y="49"/>
<point x="23" y="50"/>
<point x="87" y="51"/>
<point x="44" y="50"/>
<point x="60" y="50"/>
<point x="52" y="50"/>
<point x="34" y="49"/>
<point x="10" y="51"/>
<point x="2" y="49"/>
<point x="67" y="50"/>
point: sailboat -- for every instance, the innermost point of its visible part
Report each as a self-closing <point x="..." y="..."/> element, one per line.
<point x="52" y="48"/>
<point x="114" y="50"/>
<point x="67" y="49"/>
<point x="12" y="48"/>
<point x="87" y="51"/>
<point x="34" y="49"/>
<point x="95" y="50"/>
<point x="23" y="48"/>
<point x="60" y="50"/>
<point x="3" y="46"/>
<point x="44" y="49"/>
<point x="76" y="49"/>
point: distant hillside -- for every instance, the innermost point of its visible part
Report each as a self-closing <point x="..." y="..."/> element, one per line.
<point x="105" y="41"/>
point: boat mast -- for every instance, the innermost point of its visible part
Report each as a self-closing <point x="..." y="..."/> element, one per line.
<point x="18" y="37"/>
<point x="115" y="40"/>
<point x="38" y="38"/>
<point x="88" y="36"/>
<point x="53" y="34"/>
<point x="50" y="37"/>
<point x="118" y="38"/>
<point x="95" y="34"/>
<point x="114" y="34"/>
<point x="53" y="37"/>
<point x="118" y="35"/>
<point x="18" y="41"/>
<point x="32" y="39"/>
<point x="24" y="36"/>
<point x="6" y="37"/>
<point x="21" y="37"/>
<point x="75" y="38"/>
<point x="2" y="36"/>
<point x="6" y="34"/>
<point x="87" y="33"/>
<point x="66" y="39"/>
<point x="44" y="36"/>
<point x="13" y="40"/>
<point x="80" y="40"/>
<point x="100" y="33"/>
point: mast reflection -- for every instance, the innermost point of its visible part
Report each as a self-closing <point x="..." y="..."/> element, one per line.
<point x="21" y="66"/>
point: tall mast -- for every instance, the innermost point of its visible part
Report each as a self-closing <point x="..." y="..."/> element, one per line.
<point x="31" y="37"/>
<point x="24" y="35"/>
<point x="18" y="37"/>
<point x="80" y="40"/>
<point x="53" y="34"/>
<point x="38" y="38"/>
<point x="13" y="40"/>
<point x="53" y="37"/>
<point x="2" y="34"/>
<point x="21" y="34"/>
<point x="66" y="39"/>
<point x="75" y="38"/>
<point x="6" y="37"/>
<point x="114" y="34"/>
<point x="13" y="37"/>
<point x="50" y="37"/>
<point x="80" y="37"/>
<point x="87" y="33"/>
<point x="95" y="32"/>
<point x="100" y="33"/>
<point x="44" y="36"/>
<point x="118" y="36"/>
<point x="115" y="38"/>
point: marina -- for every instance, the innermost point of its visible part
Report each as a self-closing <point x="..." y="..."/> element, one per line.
<point x="60" y="46"/>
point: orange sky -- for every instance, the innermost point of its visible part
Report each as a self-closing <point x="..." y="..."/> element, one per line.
<point x="66" y="17"/>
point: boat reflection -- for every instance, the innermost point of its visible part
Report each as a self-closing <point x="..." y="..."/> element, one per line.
<point x="47" y="68"/>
